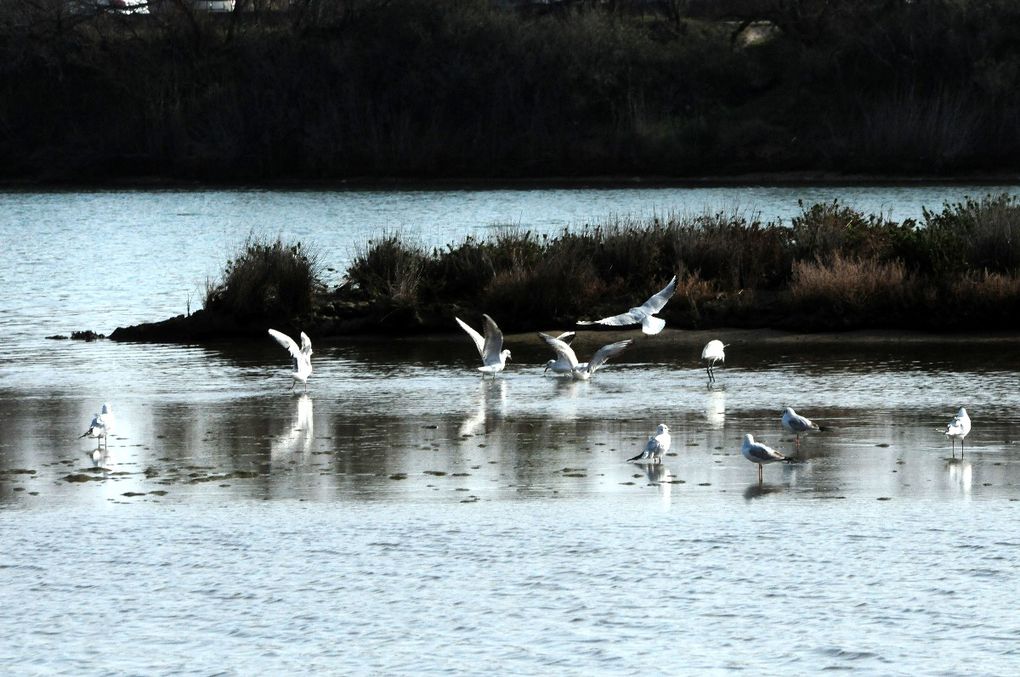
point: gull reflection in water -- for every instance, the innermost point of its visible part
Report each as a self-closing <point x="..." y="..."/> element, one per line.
<point x="960" y="473"/>
<point x="301" y="433"/>
<point x="715" y="408"/>
<point x="100" y="457"/>
<point x="659" y="475"/>
<point x="491" y="405"/>
<point x="756" y="490"/>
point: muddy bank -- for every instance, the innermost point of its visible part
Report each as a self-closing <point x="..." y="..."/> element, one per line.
<point x="334" y="320"/>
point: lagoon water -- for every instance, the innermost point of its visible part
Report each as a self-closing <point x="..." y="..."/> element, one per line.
<point x="407" y="516"/>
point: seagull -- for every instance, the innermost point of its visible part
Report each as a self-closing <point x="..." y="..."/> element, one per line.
<point x="561" y="365"/>
<point x="797" y="424"/>
<point x="658" y="444"/>
<point x="714" y="351"/>
<point x="958" y="427"/>
<point x="643" y="314"/>
<point x="101" y="426"/>
<point x="566" y="361"/>
<point x="494" y="357"/>
<point x="759" y="453"/>
<point x="302" y="357"/>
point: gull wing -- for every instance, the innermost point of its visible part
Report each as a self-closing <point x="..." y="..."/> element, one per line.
<point x="563" y="350"/>
<point x="96" y="422"/>
<point x="956" y="426"/>
<point x="567" y="337"/>
<point x="641" y="314"/>
<point x="761" y="452"/>
<point x="654" y="447"/>
<point x="658" y="301"/>
<point x="306" y="345"/>
<point x="288" y="343"/>
<point x="632" y="316"/>
<point x="799" y="423"/>
<point x="493" y="345"/>
<point x="606" y="353"/>
<point x="475" y="336"/>
<point x="647" y="451"/>
<point x="714" y="350"/>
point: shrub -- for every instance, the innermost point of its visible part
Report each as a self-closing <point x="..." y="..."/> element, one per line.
<point x="853" y="289"/>
<point x="824" y="231"/>
<point x="988" y="299"/>
<point x="389" y="269"/>
<point x="266" y="280"/>
<point x="731" y="252"/>
<point x="976" y="234"/>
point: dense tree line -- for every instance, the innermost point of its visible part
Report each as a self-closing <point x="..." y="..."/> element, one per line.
<point x="477" y="88"/>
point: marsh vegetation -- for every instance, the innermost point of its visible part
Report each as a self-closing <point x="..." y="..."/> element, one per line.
<point x="832" y="268"/>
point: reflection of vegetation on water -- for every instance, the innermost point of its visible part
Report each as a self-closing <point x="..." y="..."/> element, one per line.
<point x="833" y="268"/>
<point x="354" y="88"/>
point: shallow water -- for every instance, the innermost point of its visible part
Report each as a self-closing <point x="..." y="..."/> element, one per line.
<point x="407" y="516"/>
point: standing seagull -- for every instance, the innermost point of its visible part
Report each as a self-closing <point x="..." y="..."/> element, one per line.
<point x="302" y="357"/>
<point x="658" y="444"/>
<point x="643" y="314"/>
<point x="958" y="427"/>
<point x="494" y="357"/>
<point x="759" y="453"/>
<point x="714" y="351"/>
<point x="797" y="424"/>
<point x="566" y="360"/>
<point x="101" y="427"/>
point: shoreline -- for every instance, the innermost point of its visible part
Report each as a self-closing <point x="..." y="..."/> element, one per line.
<point x="775" y="179"/>
<point x="591" y="337"/>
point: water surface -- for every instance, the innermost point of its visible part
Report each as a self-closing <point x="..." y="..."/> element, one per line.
<point x="407" y="516"/>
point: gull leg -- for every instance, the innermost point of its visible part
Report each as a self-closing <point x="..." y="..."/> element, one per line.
<point x="953" y="440"/>
<point x="760" y="478"/>
<point x="961" y="447"/>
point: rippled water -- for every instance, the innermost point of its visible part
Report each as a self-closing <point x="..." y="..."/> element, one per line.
<point x="407" y="516"/>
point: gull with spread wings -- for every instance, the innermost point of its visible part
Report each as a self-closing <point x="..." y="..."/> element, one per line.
<point x="301" y="356"/>
<point x="643" y="314"/>
<point x="490" y="347"/>
<point x="566" y="360"/>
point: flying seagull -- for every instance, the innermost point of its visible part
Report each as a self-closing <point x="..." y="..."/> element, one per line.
<point x="958" y="428"/>
<point x="301" y="357"/>
<point x="643" y="314"/>
<point x="658" y="444"/>
<point x="713" y="352"/>
<point x="759" y="453"/>
<point x="797" y="424"/>
<point x="490" y="347"/>
<point x="566" y="360"/>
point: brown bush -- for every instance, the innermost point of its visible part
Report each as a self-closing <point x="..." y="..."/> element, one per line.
<point x="850" y="286"/>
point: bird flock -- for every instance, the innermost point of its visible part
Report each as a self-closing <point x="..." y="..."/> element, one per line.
<point x="494" y="358"/>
